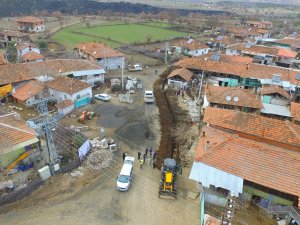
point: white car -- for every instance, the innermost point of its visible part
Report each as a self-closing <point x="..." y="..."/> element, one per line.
<point x="103" y="97"/>
<point x="125" y="177"/>
<point x="148" y="96"/>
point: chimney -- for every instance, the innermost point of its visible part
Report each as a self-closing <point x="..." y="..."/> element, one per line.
<point x="30" y="48"/>
<point x="203" y="134"/>
<point x="248" y="66"/>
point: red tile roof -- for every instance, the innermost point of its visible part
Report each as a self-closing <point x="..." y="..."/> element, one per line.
<point x="194" y="45"/>
<point x="12" y="73"/>
<point x="286" y="53"/>
<point x="289" y="41"/>
<point x="13" y="33"/>
<point x="32" y="56"/>
<point x="29" y="19"/>
<point x="22" y="45"/>
<point x="278" y="131"/>
<point x="245" y="71"/>
<point x="183" y="73"/>
<point x="261" y="163"/>
<point x="28" y="90"/>
<point x="259" y="49"/>
<point x="238" y="96"/>
<point x="295" y="110"/>
<point x="266" y="90"/>
<point x="67" y="85"/>
<point x="228" y="58"/>
<point x="13" y="130"/>
<point x="99" y="50"/>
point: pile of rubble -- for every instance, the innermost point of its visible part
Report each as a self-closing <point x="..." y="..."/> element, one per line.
<point x="102" y="154"/>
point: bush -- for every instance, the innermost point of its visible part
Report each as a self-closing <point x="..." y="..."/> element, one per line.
<point x="43" y="44"/>
<point x="116" y="88"/>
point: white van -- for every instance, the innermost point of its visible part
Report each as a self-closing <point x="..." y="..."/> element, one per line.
<point x="125" y="176"/>
<point x="149" y="96"/>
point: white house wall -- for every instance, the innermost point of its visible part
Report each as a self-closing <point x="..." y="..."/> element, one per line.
<point x="60" y="96"/>
<point x="205" y="102"/>
<point x="199" y="52"/>
<point x="208" y="175"/>
<point x="112" y="63"/>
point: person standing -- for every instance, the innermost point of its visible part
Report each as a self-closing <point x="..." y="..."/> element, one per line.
<point x="150" y="152"/>
<point x="154" y="156"/>
<point x="146" y="152"/>
<point x="139" y="155"/>
<point x="144" y="157"/>
<point x="124" y="155"/>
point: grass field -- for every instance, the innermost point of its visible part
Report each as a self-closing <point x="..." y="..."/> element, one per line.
<point x="115" y="35"/>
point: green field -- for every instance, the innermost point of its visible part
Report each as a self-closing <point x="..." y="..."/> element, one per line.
<point x="115" y="35"/>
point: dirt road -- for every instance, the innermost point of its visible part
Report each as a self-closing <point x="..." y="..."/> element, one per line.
<point x="93" y="198"/>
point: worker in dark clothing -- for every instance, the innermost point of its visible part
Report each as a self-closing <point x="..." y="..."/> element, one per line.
<point x="139" y="155"/>
<point x="154" y="155"/>
<point x="144" y="157"/>
<point x="146" y="152"/>
<point x="150" y="152"/>
<point x="124" y="155"/>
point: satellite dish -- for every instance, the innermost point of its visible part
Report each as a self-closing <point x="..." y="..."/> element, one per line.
<point x="94" y="53"/>
<point x="228" y="98"/>
<point x="236" y="99"/>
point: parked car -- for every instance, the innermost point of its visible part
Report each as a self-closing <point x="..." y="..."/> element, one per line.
<point x="103" y="97"/>
<point x="135" y="67"/>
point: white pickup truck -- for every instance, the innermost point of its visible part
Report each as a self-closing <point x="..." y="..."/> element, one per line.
<point x="135" y="67"/>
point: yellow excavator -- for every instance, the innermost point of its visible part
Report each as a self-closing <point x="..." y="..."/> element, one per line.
<point x="167" y="187"/>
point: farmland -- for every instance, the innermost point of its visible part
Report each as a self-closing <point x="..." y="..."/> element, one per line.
<point x="115" y="35"/>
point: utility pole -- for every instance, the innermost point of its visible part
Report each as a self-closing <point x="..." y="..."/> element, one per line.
<point x="166" y="53"/>
<point x="44" y="128"/>
<point x="122" y="67"/>
<point x="200" y="86"/>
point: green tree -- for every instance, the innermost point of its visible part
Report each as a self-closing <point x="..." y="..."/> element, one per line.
<point x="43" y="44"/>
<point x="11" y="52"/>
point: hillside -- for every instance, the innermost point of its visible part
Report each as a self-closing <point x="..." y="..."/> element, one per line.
<point x="12" y="7"/>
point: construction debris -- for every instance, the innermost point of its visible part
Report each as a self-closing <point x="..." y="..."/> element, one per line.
<point x="77" y="173"/>
<point x="80" y="129"/>
<point x="102" y="155"/>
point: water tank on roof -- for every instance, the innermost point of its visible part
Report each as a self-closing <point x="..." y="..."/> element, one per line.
<point x="228" y="98"/>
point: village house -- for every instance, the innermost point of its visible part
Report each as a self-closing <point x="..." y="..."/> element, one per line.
<point x="75" y="68"/>
<point x="32" y="56"/>
<point x="106" y="57"/>
<point x="289" y="43"/>
<point x="29" y="93"/>
<point x="30" y="24"/>
<point x="275" y="101"/>
<point x="25" y="47"/>
<point x="194" y="48"/>
<point x="16" y="138"/>
<point x="65" y="88"/>
<point x="248" y="155"/>
<point x="179" y="78"/>
<point x="8" y="36"/>
<point x="248" y="76"/>
<point x="231" y="98"/>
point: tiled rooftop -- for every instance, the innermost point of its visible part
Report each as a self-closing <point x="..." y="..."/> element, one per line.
<point x="99" y="50"/>
<point x="272" y="130"/>
<point x="238" y="96"/>
<point x="261" y="163"/>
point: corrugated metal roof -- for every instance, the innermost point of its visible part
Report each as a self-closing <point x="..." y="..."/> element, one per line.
<point x="276" y="110"/>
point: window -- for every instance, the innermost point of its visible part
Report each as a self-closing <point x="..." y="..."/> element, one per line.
<point x="78" y="96"/>
<point x="97" y="75"/>
<point x="65" y="96"/>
